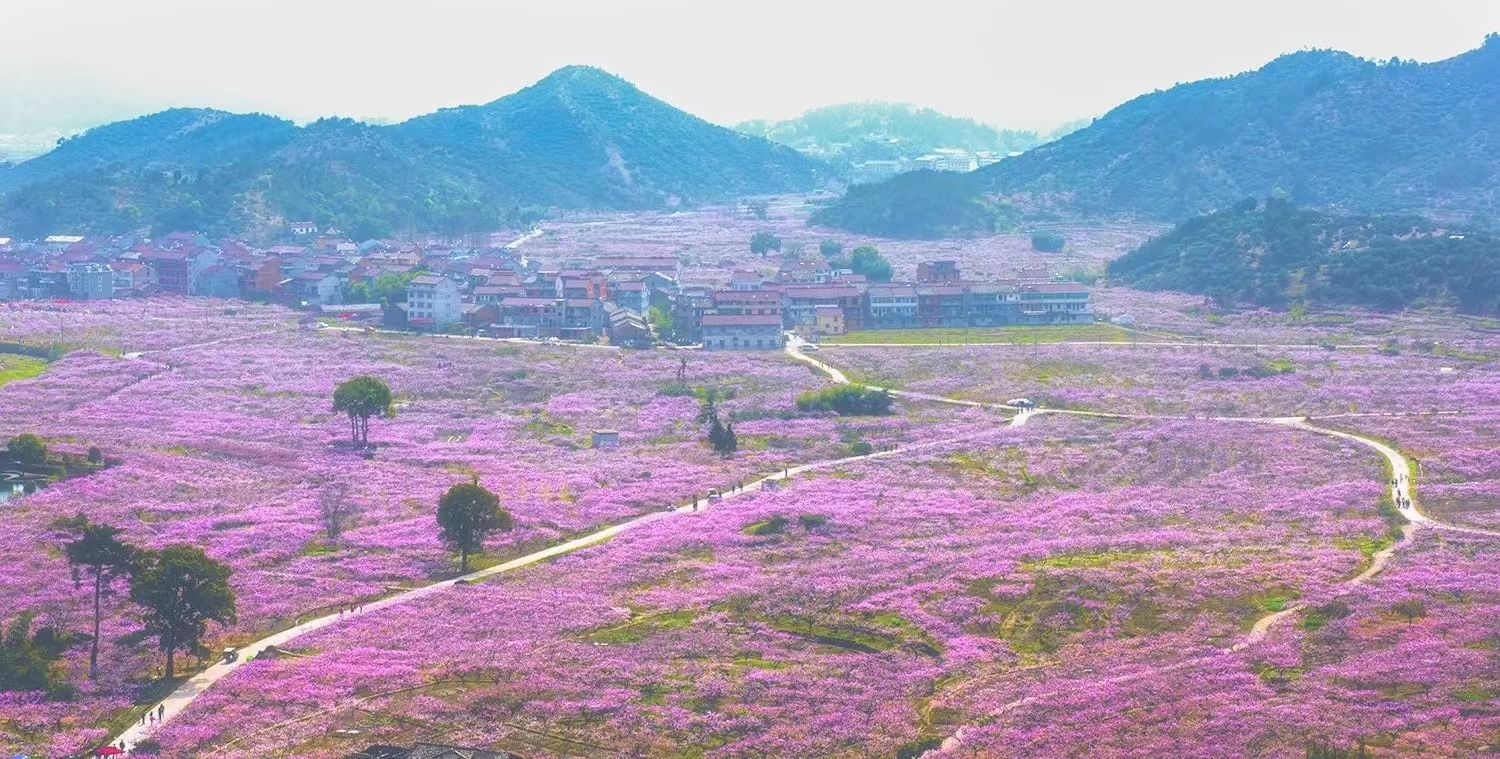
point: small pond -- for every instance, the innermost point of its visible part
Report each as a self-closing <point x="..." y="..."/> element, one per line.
<point x="14" y="484"/>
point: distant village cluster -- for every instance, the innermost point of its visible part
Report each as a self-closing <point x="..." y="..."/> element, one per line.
<point x="492" y="290"/>
<point x="941" y="159"/>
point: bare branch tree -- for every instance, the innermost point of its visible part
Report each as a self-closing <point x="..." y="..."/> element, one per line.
<point x="336" y="509"/>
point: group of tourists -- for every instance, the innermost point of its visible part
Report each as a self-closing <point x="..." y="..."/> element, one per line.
<point x="1399" y="483"/>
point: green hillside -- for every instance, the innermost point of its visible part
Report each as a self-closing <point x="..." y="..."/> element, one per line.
<point x="1275" y="254"/>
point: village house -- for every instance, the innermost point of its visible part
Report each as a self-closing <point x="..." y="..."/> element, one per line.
<point x="133" y="279"/>
<point x="741" y="332"/>
<point x="433" y="302"/>
<point x="828" y="320"/>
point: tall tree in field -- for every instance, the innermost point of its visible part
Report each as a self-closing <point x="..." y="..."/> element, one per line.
<point x="467" y="514"/>
<point x="762" y="243"/>
<point x="182" y="590"/>
<point x="96" y="552"/>
<point x="361" y="398"/>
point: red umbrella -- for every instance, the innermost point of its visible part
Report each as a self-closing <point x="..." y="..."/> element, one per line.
<point x="108" y="751"/>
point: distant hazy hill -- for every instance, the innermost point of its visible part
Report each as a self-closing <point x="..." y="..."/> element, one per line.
<point x="854" y="132"/>
<point x="1276" y="254"/>
<point x="580" y="138"/>
<point x="1324" y="128"/>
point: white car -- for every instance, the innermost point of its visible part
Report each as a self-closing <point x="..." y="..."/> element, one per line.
<point x="809" y="348"/>
<point x="1021" y="403"/>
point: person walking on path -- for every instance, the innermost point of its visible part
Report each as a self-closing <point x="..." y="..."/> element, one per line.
<point x="161" y="712"/>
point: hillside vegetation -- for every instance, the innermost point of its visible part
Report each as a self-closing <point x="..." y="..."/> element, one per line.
<point x="1323" y="128"/>
<point x="917" y="205"/>
<point x="580" y="138"/>
<point x="1275" y="254"/>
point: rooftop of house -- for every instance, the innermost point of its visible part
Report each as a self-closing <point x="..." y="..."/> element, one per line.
<point x="428" y="280"/>
<point x="741" y="320"/>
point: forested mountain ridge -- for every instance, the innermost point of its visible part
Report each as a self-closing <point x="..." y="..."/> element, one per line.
<point x="1275" y="254"/>
<point x="579" y="138"/>
<point x="1323" y="128"/>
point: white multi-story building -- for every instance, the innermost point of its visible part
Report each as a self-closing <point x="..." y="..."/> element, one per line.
<point x="433" y="302"/>
<point x="948" y="159"/>
<point x="91" y="281"/>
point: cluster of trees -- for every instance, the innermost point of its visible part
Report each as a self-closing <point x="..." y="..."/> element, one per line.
<point x="847" y="400"/>
<point x="179" y="591"/>
<point x="28" y="450"/>
<point x="720" y="435"/>
<point x="386" y="288"/>
<point x="1276" y="254"/>
<point x="865" y="259"/>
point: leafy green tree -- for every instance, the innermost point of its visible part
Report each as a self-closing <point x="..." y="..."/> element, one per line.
<point x="181" y="590"/>
<point x="1046" y="242"/>
<point x="762" y="243"/>
<point x="831" y="249"/>
<point x="362" y="398"/>
<point x="467" y="514"/>
<point x="867" y="260"/>
<point x="758" y="208"/>
<point x="96" y="551"/>
<point x="662" y="322"/>
<point x="26" y="658"/>
<point x="28" y="450"/>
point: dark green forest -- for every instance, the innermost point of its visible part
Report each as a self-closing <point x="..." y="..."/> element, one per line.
<point x="1275" y="254"/>
<point x="917" y="205"/>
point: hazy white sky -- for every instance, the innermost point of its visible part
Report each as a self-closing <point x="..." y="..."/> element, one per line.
<point x="1022" y="64"/>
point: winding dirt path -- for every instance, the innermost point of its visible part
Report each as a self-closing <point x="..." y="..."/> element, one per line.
<point x="1401" y="493"/>
<point x="188" y="691"/>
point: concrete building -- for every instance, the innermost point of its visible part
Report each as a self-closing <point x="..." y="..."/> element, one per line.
<point x="891" y="306"/>
<point x="91" y="281"/>
<point x="742" y="332"/>
<point x="433" y="302"/>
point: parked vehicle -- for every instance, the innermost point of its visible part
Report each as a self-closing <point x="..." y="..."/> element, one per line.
<point x="809" y="348"/>
<point x="231" y="654"/>
<point x="1021" y="403"/>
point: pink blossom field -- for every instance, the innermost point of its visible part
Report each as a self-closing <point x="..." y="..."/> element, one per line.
<point x="1071" y="584"/>
<point x="714" y="242"/>
<point x="228" y="444"/>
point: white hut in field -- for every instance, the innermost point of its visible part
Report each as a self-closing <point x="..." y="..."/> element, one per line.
<point x="606" y="439"/>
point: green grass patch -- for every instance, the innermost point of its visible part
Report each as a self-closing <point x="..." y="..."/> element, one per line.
<point x="641" y="628"/>
<point x="16" y="367"/>
<point x="765" y="527"/>
<point x="1318" y="617"/>
<point x="959" y="335"/>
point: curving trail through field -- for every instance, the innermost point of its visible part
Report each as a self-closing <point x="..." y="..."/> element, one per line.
<point x="1401" y="494"/>
<point x="184" y="695"/>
